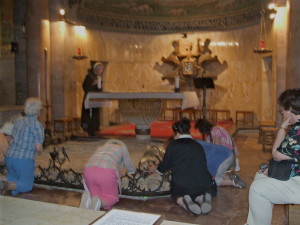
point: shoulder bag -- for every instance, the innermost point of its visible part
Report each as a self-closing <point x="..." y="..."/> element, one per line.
<point x="280" y="170"/>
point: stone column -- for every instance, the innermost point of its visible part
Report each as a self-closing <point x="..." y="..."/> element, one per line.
<point x="37" y="36"/>
<point x="58" y="32"/>
<point x="20" y="57"/>
<point x="280" y="55"/>
<point x="293" y="49"/>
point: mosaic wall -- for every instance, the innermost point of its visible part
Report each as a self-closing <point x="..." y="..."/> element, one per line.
<point x="161" y="16"/>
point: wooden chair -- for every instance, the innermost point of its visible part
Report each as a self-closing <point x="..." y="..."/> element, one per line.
<point x="222" y="115"/>
<point x="268" y="135"/>
<point x="188" y="113"/>
<point x="263" y="124"/>
<point x="63" y="126"/>
<point x="244" y="118"/>
<point x="76" y="123"/>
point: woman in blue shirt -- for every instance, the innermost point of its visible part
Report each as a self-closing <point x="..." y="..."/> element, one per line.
<point x="27" y="142"/>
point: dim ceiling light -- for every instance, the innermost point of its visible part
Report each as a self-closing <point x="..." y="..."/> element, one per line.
<point x="272" y="15"/>
<point x="62" y="12"/>
<point x="271" y="6"/>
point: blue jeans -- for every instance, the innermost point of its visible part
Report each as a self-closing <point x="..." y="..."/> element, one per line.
<point x="20" y="171"/>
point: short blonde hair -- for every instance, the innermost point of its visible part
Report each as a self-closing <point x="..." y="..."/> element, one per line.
<point x="33" y="106"/>
<point x="153" y="154"/>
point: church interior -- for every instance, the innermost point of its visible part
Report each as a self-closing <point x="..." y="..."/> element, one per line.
<point x="226" y="61"/>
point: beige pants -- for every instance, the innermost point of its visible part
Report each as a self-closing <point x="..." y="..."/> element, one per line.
<point x="265" y="192"/>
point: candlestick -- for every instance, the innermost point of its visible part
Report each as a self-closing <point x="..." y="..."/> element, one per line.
<point x="177" y="84"/>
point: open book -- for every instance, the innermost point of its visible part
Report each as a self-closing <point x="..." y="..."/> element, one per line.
<point x="125" y="217"/>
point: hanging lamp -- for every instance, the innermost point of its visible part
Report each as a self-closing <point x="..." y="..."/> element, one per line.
<point x="263" y="35"/>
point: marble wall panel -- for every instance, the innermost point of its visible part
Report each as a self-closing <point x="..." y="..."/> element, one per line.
<point x="133" y="59"/>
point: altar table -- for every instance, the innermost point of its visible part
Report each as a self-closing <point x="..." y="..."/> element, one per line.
<point x="140" y="108"/>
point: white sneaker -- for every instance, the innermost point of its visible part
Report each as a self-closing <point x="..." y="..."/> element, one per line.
<point x="85" y="201"/>
<point x="95" y="203"/>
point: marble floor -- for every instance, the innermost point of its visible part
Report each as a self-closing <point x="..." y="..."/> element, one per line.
<point x="230" y="207"/>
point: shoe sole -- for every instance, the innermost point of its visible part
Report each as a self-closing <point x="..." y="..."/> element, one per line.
<point x="206" y="206"/>
<point x="191" y="206"/>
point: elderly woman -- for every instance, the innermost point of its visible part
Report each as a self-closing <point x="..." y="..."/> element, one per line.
<point x="266" y="191"/>
<point x="27" y="141"/>
<point x="190" y="176"/>
<point x="90" y="118"/>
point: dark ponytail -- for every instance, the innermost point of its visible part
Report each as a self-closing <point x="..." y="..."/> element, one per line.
<point x="182" y="127"/>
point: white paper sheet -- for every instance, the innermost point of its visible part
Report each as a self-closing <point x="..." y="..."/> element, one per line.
<point x="124" y="217"/>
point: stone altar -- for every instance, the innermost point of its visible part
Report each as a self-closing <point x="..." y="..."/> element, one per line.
<point x="140" y="108"/>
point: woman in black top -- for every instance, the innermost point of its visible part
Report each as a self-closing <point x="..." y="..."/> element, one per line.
<point x="190" y="177"/>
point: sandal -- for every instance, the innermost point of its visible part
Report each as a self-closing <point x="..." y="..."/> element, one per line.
<point x="237" y="181"/>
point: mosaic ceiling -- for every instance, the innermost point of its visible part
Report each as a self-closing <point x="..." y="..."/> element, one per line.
<point x="167" y="16"/>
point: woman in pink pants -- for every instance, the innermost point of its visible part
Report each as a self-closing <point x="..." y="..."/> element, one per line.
<point x="101" y="175"/>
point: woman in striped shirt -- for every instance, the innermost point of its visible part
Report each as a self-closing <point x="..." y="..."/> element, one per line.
<point x="101" y="175"/>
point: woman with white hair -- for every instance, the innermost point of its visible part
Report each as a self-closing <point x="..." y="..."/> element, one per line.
<point x="27" y="141"/>
<point x="90" y="118"/>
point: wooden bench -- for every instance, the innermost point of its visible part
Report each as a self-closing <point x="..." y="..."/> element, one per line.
<point x="292" y="213"/>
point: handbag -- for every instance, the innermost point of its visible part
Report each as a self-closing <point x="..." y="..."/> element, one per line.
<point x="280" y="170"/>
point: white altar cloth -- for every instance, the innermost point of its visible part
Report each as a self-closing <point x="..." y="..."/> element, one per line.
<point x="99" y="99"/>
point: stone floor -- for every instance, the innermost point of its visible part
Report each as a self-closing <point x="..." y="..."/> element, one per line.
<point x="229" y="207"/>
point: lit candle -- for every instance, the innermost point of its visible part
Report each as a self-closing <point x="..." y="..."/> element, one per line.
<point x="78" y="51"/>
<point x="262" y="44"/>
<point x="99" y="82"/>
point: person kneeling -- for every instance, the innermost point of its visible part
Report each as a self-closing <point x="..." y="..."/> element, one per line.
<point x="101" y="175"/>
<point x="191" y="180"/>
